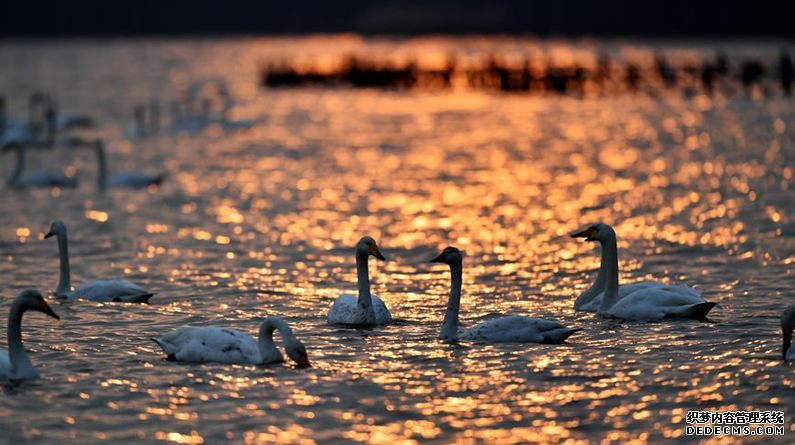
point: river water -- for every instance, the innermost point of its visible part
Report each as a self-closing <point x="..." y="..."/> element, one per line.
<point x="261" y="221"/>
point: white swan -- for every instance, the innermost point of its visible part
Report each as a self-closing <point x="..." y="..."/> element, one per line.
<point x="640" y="301"/>
<point x="221" y="345"/>
<point x="14" y="362"/>
<point x="39" y="178"/>
<point x="787" y="325"/>
<point x="511" y="328"/>
<point x="99" y="290"/>
<point x="132" y="179"/>
<point x="366" y="309"/>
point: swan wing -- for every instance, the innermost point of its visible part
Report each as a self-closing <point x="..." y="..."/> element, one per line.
<point x="210" y="344"/>
<point x="5" y="366"/>
<point x="517" y="328"/>
<point x="627" y="289"/>
<point x="46" y="179"/>
<point x="345" y="310"/>
<point x="112" y="290"/>
<point x="660" y="302"/>
<point x="382" y="315"/>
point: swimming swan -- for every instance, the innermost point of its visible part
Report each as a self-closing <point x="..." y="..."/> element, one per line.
<point x="365" y="309"/>
<point x="787" y="325"/>
<point x="221" y="345"/>
<point x="37" y="178"/>
<point x="640" y="301"/>
<point x="99" y="290"/>
<point x="511" y="328"/>
<point x="131" y="179"/>
<point x="14" y="362"/>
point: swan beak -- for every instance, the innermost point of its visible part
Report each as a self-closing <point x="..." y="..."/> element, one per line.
<point x="376" y="253"/>
<point x="49" y="234"/>
<point x="589" y="234"/>
<point x="44" y="307"/>
<point x="438" y="259"/>
<point x="303" y="361"/>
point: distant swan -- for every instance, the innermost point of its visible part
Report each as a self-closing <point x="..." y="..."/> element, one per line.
<point x="511" y="328"/>
<point x="787" y="325"/>
<point x="366" y="309"/>
<point x="132" y="179"/>
<point x="221" y="345"/>
<point x="38" y="178"/>
<point x="99" y="290"/>
<point x="639" y="301"/>
<point x="14" y="362"/>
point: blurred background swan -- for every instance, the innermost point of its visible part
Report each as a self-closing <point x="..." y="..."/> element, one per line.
<point x="128" y="179"/>
<point x="364" y="309"/>
<point x="15" y="364"/>
<point x="40" y="178"/>
<point x="222" y="345"/>
<point x="511" y="328"/>
<point x="787" y="325"/>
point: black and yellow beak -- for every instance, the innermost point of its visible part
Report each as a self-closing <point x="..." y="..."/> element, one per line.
<point x="49" y="234"/>
<point x="438" y="259"/>
<point x="44" y="307"/>
<point x="376" y="253"/>
<point x="589" y="234"/>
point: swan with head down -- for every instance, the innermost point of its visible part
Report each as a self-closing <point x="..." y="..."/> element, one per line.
<point x="363" y="309"/>
<point x="99" y="290"/>
<point x="222" y="345"/>
<point x="644" y="301"/>
<point x="510" y="328"/>
<point x="14" y="362"/>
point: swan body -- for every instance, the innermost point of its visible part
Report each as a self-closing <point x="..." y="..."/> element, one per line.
<point x="644" y="301"/>
<point x="364" y="309"/>
<point x="510" y="328"/>
<point x="38" y="178"/>
<point x="14" y="362"/>
<point x="99" y="290"/>
<point x="132" y="179"/>
<point x="787" y="325"/>
<point x="222" y="345"/>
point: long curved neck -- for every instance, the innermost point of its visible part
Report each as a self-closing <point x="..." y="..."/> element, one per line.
<point x="19" y="167"/>
<point x="20" y="363"/>
<point x="266" y="346"/>
<point x="786" y="331"/>
<point x="65" y="279"/>
<point x="609" y="268"/>
<point x="366" y="312"/>
<point x="102" y="167"/>
<point x="450" y="324"/>
<point x="597" y="287"/>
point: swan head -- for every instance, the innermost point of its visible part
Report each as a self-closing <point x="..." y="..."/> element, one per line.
<point x="598" y="232"/>
<point x="787" y="325"/>
<point x="450" y="256"/>
<point x="32" y="300"/>
<point x="296" y="351"/>
<point x="367" y="246"/>
<point x="57" y="228"/>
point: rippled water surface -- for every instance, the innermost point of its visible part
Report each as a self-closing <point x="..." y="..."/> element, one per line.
<point x="261" y="221"/>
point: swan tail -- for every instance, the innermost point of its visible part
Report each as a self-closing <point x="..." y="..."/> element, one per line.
<point x="143" y="298"/>
<point x="697" y="311"/>
<point x="170" y="356"/>
<point x="559" y="335"/>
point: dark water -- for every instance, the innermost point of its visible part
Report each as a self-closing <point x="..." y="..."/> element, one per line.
<point x="261" y="221"/>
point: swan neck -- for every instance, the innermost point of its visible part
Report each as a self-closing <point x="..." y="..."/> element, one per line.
<point x="450" y="324"/>
<point x="65" y="278"/>
<point x="786" y="330"/>
<point x="596" y="288"/>
<point x="102" y="167"/>
<point x="365" y="301"/>
<point x="16" y="351"/>
<point x="267" y="348"/>
<point x="609" y="268"/>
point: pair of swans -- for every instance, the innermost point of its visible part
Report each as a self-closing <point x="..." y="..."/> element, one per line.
<point x="369" y="310"/>
<point x="99" y="290"/>
<point x="644" y="301"/>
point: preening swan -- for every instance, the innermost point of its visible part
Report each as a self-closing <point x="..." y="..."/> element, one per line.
<point x="639" y="301"/>
<point x="14" y="363"/>
<point x="132" y="179"/>
<point x="99" y="290"/>
<point x="511" y="328"/>
<point x="787" y="325"/>
<point x="221" y="345"/>
<point x="37" y="178"/>
<point x="364" y="309"/>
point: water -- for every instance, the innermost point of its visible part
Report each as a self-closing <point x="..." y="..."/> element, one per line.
<point x="262" y="222"/>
